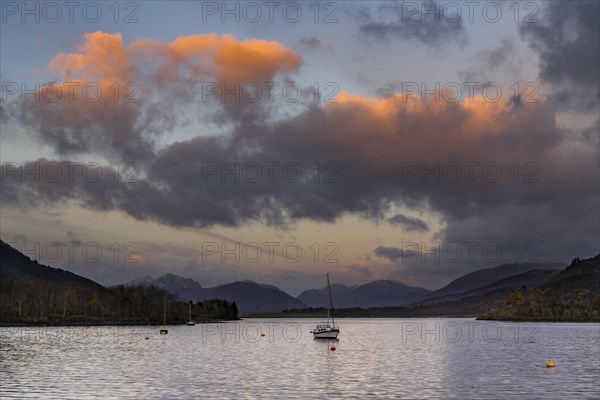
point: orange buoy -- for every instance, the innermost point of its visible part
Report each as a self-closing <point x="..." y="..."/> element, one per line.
<point x="262" y="334"/>
<point x="550" y="364"/>
<point x="332" y="348"/>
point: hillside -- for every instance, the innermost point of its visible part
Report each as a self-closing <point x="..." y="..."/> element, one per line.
<point x="530" y="279"/>
<point x="579" y="275"/>
<point x="571" y="295"/>
<point x="15" y="266"/>
<point x="467" y="283"/>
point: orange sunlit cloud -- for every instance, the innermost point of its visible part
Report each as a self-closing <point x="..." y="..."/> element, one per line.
<point x="103" y="57"/>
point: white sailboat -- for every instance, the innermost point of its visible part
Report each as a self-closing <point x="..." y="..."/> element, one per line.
<point x="190" y="322"/>
<point x="327" y="330"/>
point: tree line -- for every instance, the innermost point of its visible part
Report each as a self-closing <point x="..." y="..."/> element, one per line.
<point x="30" y="301"/>
<point x="546" y="304"/>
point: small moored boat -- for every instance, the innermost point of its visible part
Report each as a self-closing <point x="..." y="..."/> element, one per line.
<point x="326" y="329"/>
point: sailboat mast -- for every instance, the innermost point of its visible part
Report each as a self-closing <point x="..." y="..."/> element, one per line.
<point x="165" y="313"/>
<point x="330" y="301"/>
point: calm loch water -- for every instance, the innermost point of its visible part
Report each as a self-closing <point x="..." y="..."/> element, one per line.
<point x="374" y="358"/>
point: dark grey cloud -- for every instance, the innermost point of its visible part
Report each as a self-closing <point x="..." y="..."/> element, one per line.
<point x="4" y="116"/>
<point x="409" y="224"/>
<point x="311" y="43"/>
<point x="361" y="269"/>
<point x="368" y="163"/>
<point x="591" y="135"/>
<point x="566" y="38"/>
<point x="72" y="237"/>
<point x="393" y="254"/>
<point x="18" y="238"/>
<point x="499" y="55"/>
<point x="395" y="20"/>
<point x="83" y="127"/>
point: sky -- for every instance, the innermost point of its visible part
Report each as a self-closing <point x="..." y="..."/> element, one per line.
<point x="277" y="141"/>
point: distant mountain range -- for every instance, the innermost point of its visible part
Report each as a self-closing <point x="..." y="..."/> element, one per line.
<point x="248" y="295"/>
<point x="373" y="294"/>
<point x="256" y="297"/>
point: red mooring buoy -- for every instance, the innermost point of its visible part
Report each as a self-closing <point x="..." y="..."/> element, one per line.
<point x="332" y="348"/>
<point x="262" y="334"/>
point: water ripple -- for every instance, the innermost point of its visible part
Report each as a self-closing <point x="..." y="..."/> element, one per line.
<point x="396" y="359"/>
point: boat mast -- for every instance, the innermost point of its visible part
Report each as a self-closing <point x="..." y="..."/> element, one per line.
<point x="165" y="314"/>
<point x="330" y="302"/>
<point x="190" y="317"/>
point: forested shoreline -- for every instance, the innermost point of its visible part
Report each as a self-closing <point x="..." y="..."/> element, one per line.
<point x="571" y="296"/>
<point x="543" y="305"/>
<point x="33" y="302"/>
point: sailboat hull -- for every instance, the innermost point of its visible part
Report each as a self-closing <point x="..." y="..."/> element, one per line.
<point x="331" y="334"/>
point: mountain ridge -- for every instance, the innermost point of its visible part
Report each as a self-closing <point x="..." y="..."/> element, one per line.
<point x="480" y="278"/>
<point x="15" y="265"/>
<point x="249" y="296"/>
<point x="384" y="292"/>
